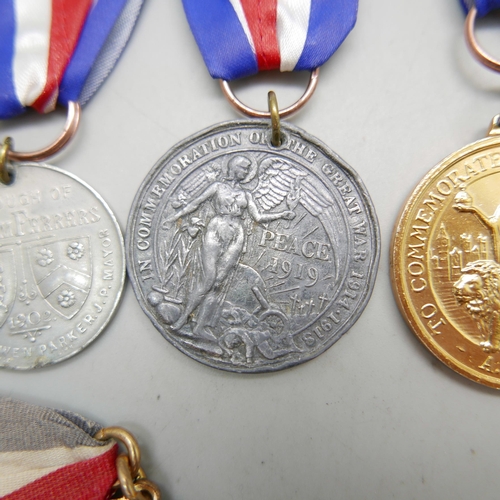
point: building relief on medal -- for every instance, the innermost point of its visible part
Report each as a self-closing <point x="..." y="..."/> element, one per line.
<point x="240" y="257"/>
<point x="446" y="261"/>
<point x="464" y="258"/>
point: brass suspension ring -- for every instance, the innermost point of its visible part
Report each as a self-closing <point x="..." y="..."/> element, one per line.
<point x="254" y="113"/>
<point x="132" y="480"/>
<point x="151" y="488"/>
<point x="70" y="128"/>
<point x="127" y="480"/>
<point x="473" y="44"/>
<point x="120" y="434"/>
<point x="272" y="102"/>
<point x="4" y="153"/>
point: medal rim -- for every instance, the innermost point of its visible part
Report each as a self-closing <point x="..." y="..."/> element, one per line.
<point x="122" y="267"/>
<point x="233" y="124"/>
<point x="396" y="256"/>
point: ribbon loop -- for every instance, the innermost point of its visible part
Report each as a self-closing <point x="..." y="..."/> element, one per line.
<point x="239" y="38"/>
<point x="56" y="51"/>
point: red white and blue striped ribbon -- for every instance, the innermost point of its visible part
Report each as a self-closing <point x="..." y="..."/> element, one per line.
<point x="59" y="50"/>
<point x="48" y="454"/>
<point x="483" y="6"/>
<point x="238" y="38"/>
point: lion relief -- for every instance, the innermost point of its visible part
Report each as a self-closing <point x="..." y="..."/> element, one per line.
<point x="479" y="289"/>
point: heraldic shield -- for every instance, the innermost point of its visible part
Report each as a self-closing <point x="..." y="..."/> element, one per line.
<point x="63" y="273"/>
<point x="8" y="285"/>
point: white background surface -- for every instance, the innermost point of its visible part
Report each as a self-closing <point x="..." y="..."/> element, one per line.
<point x="374" y="417"/>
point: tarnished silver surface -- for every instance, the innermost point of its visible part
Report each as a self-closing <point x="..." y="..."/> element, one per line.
<point x="248" y="257"/>
<point x="62" y="266"/>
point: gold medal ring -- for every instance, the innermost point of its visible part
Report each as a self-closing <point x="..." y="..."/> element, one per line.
<point x="70" y="128"/>
<point x="473" y="44"/>
<point x="283" y="113"/>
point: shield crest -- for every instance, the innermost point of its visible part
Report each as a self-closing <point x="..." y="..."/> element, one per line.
<point x="63" y="273"/>
<point x="8" y="285"/>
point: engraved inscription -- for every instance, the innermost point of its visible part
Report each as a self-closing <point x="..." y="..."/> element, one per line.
<point x="447" y="261"/>
<point x="59" y="246"/>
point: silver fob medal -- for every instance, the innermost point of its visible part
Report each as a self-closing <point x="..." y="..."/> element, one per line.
<point x="249" y="257"/>
<point x="62" y="266"/>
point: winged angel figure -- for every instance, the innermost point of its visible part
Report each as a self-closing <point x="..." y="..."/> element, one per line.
<point x="205" y="249"/>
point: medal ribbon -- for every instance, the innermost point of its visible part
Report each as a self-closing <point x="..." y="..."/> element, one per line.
<point x="59" y="50"/>
<point x="483" y="6"/>
<point x="47" y="454"/>
<point x="239" y="38"/>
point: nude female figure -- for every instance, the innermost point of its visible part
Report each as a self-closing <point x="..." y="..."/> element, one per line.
<point x="223" y="240"/>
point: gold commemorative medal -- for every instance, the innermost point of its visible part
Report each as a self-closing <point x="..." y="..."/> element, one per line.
<point x="446" y="260"/>
<point x="445" y="257"/>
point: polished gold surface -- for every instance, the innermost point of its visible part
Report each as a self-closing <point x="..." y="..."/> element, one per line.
<point x="445" y="260"/>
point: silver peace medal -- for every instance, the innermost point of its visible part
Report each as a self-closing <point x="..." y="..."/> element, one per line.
<point x="249" y="257"/>
<point x="62" y="266"/>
